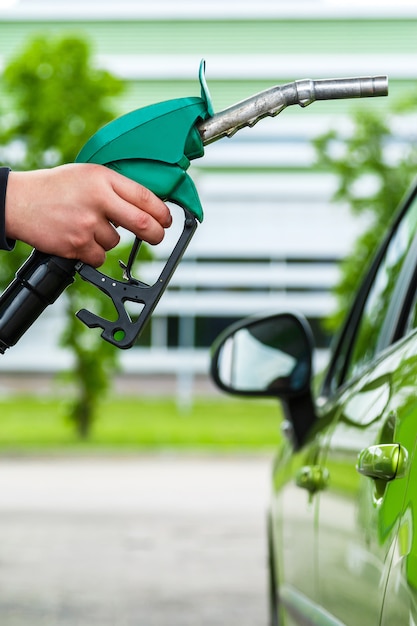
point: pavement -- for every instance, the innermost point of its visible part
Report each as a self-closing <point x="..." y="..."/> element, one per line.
<point x="152" y="540"/>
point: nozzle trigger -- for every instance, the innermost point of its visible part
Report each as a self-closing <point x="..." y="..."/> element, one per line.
<point x="124" y="331"/>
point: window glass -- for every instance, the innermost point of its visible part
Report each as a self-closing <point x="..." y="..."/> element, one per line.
<point x="368" y="334"/>
<point x="412" y="316"/>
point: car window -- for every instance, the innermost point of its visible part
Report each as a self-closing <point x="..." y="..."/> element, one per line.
<point x="380" y="297"/>
<point x="411" y="323"/>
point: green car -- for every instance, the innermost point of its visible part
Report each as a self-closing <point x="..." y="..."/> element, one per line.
<point x="342" y="523"/>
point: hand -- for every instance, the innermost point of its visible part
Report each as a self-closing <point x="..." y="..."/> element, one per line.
<point x="72" y="210"/>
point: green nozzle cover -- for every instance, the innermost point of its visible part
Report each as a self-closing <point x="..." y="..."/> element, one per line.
<point x="154" y="146"/>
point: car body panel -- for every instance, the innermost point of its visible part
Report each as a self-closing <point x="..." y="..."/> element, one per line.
<point x="293" y="527"/>
<point x="343" y="550"/>
<point x="359" y="516"/>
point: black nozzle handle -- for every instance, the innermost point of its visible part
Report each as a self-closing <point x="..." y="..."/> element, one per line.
<point x="38" y="283"/>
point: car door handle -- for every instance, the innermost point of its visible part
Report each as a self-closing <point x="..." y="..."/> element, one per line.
<point x="385" y="461"/>
<point x="312" y="477"/>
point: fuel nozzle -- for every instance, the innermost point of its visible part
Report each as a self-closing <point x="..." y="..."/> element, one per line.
<point x="274" y="100"/>
<point x="154" y="146"/>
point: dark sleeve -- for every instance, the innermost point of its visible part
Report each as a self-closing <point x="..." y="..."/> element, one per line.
<point x="5" y="243"/>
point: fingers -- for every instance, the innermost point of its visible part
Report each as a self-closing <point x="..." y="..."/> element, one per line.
<point x="139" y="210"/>
<point x="94" y="255"/>
<point x="106" y="236"/>
<point x="93" y="252"/>
<point x="131" y="206"/>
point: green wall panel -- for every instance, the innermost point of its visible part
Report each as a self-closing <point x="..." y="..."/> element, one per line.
<point x="205" y="37"/>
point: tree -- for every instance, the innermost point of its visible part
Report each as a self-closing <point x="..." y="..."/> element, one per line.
<point x="59" y="99"/>
<point x="371" y="180"/>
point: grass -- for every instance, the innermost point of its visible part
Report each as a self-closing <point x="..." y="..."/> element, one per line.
<point x="33" y="424"/>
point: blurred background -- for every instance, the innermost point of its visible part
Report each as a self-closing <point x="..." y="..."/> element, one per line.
<point x="272" y="238"/>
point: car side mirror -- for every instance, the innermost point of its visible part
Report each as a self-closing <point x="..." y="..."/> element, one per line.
<point x="269" y="356"/>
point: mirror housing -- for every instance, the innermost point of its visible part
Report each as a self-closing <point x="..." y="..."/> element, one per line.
<point x="269" y="357"/>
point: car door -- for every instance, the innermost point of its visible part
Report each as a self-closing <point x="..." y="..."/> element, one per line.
<point x="359" y="514"/>
<point x="370" y="398"/>
<point x="400" y="602"/>
<point x="293" y="529"/>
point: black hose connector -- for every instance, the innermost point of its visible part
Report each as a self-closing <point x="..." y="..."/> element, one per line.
<point x="38" y="283"/>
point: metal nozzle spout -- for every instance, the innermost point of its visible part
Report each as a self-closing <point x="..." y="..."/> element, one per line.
<point x="342" y="88"/>
<point x="274" y="100"/>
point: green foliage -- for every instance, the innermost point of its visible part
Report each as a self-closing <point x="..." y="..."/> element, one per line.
<point x="366" y="163"/>
<point x="59" y="100"/>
